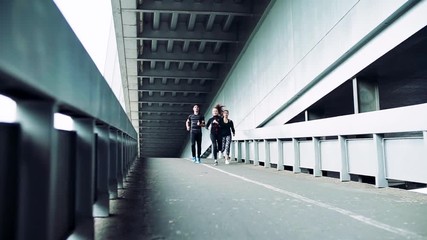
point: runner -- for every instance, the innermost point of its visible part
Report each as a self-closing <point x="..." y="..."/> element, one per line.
<point x="194" y="124"/>
<point x="227" y="127"/>
<point x="215" y="135"/>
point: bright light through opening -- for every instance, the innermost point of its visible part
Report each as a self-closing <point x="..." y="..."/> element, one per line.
<point x="7" y="109"/>
<point x="63" y="122"/>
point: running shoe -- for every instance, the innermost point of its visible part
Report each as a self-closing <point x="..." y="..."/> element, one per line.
<point x="226" y="161"/>
<point x="216" y="162"/>
<point x="194" y="159"/>
<point x="198" y="160"/>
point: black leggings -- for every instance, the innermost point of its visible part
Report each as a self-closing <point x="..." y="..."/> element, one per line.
<point x="196" y="137"/>
<point x="216" y="144"/>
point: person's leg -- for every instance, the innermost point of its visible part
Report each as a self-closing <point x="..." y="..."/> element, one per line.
<point x="219" y="141"/>
<point x="193" y="146"/>
<point x="214" y="146"/>
<point x="227" y="144"/>
<point x="199" y="146"/>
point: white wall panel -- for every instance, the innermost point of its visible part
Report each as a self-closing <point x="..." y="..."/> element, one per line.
<point x="274" y="152"/>
<point x="251" y="150"/>
<point x="261" y="147"/>
<point x="330" y="155"/>
<point x="288" y="153"/>
<point x="306" y="149"/>
<point x="406" y="159"/>
<point x="362" y="157"/>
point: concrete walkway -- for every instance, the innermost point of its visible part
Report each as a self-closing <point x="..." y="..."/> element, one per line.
<point x="177" y="199"/>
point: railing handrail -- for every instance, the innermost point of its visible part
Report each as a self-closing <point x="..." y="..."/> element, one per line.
<point x="403" y="119"/>
<point x="41" y="55"/>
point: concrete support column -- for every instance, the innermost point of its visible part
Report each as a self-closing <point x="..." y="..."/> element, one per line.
<point x="296" y="167"/>
<point x="101" y="207"/>
<point x="317" y="172"/>
<point x="256" y="152"/>
<point x="9" y="140"/>
<point x="120" y="160"/>
<point x="37" y="161"/>
<point x="365" y="95"/>
<point x="9" y="155"/>
<point x="344" y="173"/>
<point x="267" y="153"/>
<point x="380" y="178"/>
<point x="85" y="168"/>
<point x="239" y="151"/>
<point x="247" y="151"/>
<point x="112" y="176"/>
<point x="233" y="150"/>
<point x="280" y="161"/>
<point x="425" y="141"/>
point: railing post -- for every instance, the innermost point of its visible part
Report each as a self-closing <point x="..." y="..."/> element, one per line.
<point x="239" y="151"/>
<point x="267" y="153"/>
<point x="247" y="152"/>
<point x="344" y="173"/>
<point x="112" y="176"/>
<point x="10" y="136"/>
<point x="120" y="159"/>
<point x="37" y="162"/>
<point x="296" y="168"/>
<point x="280" y="161"/>
<point x="380" y="178"/>
<point x="317" y="172"/>
<point x="233" y="150"/>
<point x="85" y="154"/>
<point x="256" y="152"/>
<point x="101" y="207"/>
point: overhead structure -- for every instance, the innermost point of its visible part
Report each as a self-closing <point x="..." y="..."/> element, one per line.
<point x="174" y="54"/>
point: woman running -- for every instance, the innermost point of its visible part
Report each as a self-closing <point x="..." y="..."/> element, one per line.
<point x="216" y="135"/>
<point x="227" y="127"/>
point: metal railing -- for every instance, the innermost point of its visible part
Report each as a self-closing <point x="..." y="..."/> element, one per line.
<point x="53" y="182"/>
<point x="372" y="144"/>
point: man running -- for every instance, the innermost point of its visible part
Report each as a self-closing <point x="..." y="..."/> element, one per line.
<point x="194" y="124"/>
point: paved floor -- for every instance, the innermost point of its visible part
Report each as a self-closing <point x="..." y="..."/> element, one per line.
<point x="177" y="199"/>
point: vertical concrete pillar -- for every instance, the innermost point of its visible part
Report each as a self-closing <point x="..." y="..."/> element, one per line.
<point x="37" y="160"/>
<point x="9" y="158"/>
<point x="239" y="151"/>
<point x="380" y="178"/>
<point x="425" y="141"/>
<point x="365" y="95"/>
<point x="267" y="153"/>
<point x="120" y="160"/>
<point x="296" y="167"/>
<point x="233" y="150"/>
<point x="344" y="173"/>
<point x="317" y="171"/>
<point x="256" y="152"/>
<point x="280" y="161"/>
<point x="112" y="176"/>
<point x="85" y="168"/>
<point x="101" y="207"/>
<point x="246" y="142"/>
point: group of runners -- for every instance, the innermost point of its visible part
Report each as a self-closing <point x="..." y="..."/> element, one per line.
<point x="221" y="131"/>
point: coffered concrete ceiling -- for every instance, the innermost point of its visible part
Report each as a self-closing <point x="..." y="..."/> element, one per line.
<point x="174" y="54"/>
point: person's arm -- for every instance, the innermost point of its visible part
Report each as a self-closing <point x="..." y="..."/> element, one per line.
<point x="202" y="122"/>
<point x="187" y="123"/>
<point x="209" y="123"/>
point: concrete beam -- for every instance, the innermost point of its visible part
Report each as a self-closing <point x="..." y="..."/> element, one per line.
<point x="170" y="86"/>
<point x="182" y="33"/>
<point x="174" y="72"/>
<point x="185" y="7"/>
<point x="168" y="98"/>
<point x="192" y="55"/>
